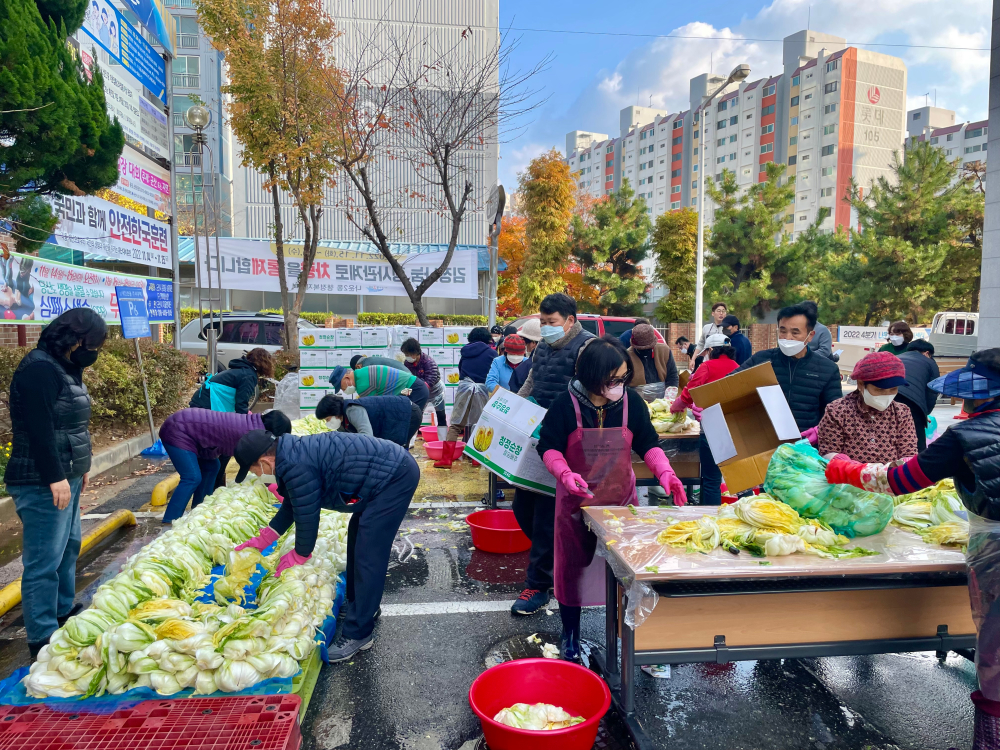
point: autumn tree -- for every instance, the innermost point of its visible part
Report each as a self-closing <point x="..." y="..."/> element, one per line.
<point x="547" y="195"/>
<point x="747" y="256"/>
<point x="610" y="246"/>
<point x="674" y="244"/>
<point x="512" y="246"/>
<point x="281" y="70"/>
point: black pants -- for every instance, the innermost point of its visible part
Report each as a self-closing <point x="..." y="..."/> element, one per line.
<point x="220" y="478"/>
<point x="375" y="528"/>
<point x="419" y="396"/>
<point x="919" y="421"/>
<point x="536" y="515"/>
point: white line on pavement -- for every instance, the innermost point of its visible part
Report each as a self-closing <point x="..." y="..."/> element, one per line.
<point x="444" y="608"/>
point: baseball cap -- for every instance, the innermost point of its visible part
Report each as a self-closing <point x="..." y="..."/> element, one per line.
<point x="250" y="448"/>
<point x="337" y="375"/>
<point x="531" y="330"/>
<point x="716" y="339"/>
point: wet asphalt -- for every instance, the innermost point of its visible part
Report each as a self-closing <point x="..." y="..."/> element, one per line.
<point x="446" y="619"/>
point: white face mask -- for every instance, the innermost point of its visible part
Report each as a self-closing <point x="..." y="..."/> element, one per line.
<point x="515" y="359"/>
<point x="334" y="423"/>
<point x="552" y="334"/>
<point x="411" y="360"/>
<point x="896" y="340"/>
<point x="791" y="347"/>
<point x="349" y="390"/>
<point x="877" y="402"/>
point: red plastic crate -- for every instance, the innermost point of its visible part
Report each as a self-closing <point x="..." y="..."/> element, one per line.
<point x="266" y="722"/>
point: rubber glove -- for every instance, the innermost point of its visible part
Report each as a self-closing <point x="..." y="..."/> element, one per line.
<point x="696" y="411"/>
<point x="842" y="470"/>
<point x="812" y="435"/>
<point x="273" y="489"/>
<point x="555" y="462"/>
<point x="659" y="464"/>
<point x="264" y="539"/>
<point x="289" y="560"/>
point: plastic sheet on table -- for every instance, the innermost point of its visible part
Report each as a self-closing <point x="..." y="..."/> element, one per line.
<point x="984" y="593"/>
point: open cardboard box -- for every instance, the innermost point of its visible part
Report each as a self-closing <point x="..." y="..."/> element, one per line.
<point x="745" y="419"/>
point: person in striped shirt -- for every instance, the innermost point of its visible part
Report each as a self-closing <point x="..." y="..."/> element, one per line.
<point x="380" y="380"/>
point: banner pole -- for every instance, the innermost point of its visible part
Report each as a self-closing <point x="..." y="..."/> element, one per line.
<point x="145" y="392"/>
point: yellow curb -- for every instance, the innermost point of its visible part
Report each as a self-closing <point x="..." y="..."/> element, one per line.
<point x="162" y="491"/>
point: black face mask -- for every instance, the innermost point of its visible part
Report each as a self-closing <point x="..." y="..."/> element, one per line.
<point x="82" y="357"/>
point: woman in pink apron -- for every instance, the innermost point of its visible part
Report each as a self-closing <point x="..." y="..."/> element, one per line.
<point x="586" y="442"/>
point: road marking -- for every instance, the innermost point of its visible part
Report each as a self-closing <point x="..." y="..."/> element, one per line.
<point x="444" y="608"/>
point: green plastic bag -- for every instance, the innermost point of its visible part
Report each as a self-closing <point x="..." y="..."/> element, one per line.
<point x="797" y="477"/>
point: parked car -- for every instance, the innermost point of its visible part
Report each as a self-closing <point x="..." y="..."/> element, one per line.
<point x="598" y="324"/>
<point x="238" y="333"/>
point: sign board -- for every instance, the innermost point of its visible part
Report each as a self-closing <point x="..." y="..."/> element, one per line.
<point x="97" y="226"/>
<point x="142" y="180"/>
<point x="503" y="442"/>
<point x="132" y="310"/>
<point x="154" y="16"/>
<point x="253" y="265"/>
<point x="106" y="26"/>
<point x="872" y="335"/>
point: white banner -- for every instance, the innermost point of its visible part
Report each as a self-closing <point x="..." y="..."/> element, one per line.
<point x="253" y="265"/>
<point x="93" y="225"/>
<point x="872" y="334"/>
<point x="142" y="180"/>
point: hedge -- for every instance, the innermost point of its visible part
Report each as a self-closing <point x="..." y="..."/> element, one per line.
<point x="410" y="319"/>
<point x="114" y="383"/>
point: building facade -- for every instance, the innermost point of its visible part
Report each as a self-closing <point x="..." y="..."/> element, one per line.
<point x="964" y="142"/>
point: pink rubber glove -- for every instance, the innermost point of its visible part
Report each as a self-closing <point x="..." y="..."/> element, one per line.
<point x="555" y="462"/>
<point x="696" y="411"/>
<point x="273" y="489"/>
<point x="812" y="435"/>
<point x="264" y="539"/>
<point x="290" y="560"/>
<point x="659" y="464"/>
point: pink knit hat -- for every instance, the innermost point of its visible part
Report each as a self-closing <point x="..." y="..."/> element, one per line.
<point x="881" y="369"/>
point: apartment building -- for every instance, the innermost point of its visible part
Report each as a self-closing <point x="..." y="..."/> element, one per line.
<point x="834" y="113"/>
<point x="964" y="141"/>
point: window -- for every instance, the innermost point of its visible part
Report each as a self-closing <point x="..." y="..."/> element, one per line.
<point x="679" y="123"/>
<point x="642" y="136"/>
<point x="975" y="133"/>
<point x="763" y="166"/>
<point x="721" y="142"/>
<point x="676" y="157"/>
<point x="973" y="149"/>
<point x="807" y="134"/>
<point x="178" y="107"/>
<point x="675" y="204"/>
<point x="768" y="110"/>
<point x="661" y="176"/>
<point x="675" y="189"/>
<point x="829" y="109"/>
<point x="767" y="129"/>
<point x="769" y="90"/>
<point x="720" y="160"/>
<point x="803" y="217"/>
<point x="239" y="332"/>
<point x="677" y="140"/>
<point x="720" y="124"/>
<point x="794" y="121"/>
<point x="795" y="101"/>
<point x="949" y="152"/>
<point x="827" y="150"/>
<point x="677" y="172"/>
<point x="734" y="119"/>
<point x="749" y="115"/>
<point x="187" y="73"/>
<point x="830" y="87"/>
<point x="695" y="134"/>
<point x="694" y="184"/>
<point x="826" y="192"/>
<point x="696" y="116"/>
<point x="610" y="163"/>
<point x="732" y="156"/>
<point x="829" y="129"/>
<point x="695" y="150"/>
<point x="733" y="138"/>
<point x="832" y="65"/>
<point x="808" y="97"/>
<point x="187" y="31"/>
<point x="934" y="141"/>
<point x="951" y="137"/>
<point x="916" y="115"/>
<point x="793" y="140"/>
<point x="723" y="106"/>
<point x="746" y="171"/>
<point x="789" y="219"/>
<point x="803" y="197"/>
<point x="792" y="160"/>
<point x="187" y="153"/>
<point x="662" y="161"/>
<point x="795" y="81"/>
<point x="767" y="148"/>
<point x="805" y="157"/>
<point x="828" y="171"/>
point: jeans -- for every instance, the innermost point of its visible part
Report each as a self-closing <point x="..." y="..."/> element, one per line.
<point x="51" y="546"/>
<point x="368" y="556"/>
<point x="711" y="476"/>
<point x="198" y="476"/>
<point x="536" y="515"/>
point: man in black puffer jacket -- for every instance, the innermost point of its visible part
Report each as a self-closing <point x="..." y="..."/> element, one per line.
<point x="808" y="380"/>
<point x="338" y="471"/>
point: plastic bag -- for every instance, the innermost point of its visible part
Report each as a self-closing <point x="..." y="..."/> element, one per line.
<point x="983" y="558"/>
<point x="796" y="476"/>
<point x="286" y="396"/>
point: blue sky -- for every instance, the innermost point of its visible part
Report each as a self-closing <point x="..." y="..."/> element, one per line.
<point x="593" y="76"/>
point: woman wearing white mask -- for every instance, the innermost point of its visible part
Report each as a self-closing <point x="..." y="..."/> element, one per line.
<point x="421" y="364"/>
<point x="900" y="337"/>
<point x="385" y="417"/>
<point x="503" y="366"/>
<point x="869" y="425"/>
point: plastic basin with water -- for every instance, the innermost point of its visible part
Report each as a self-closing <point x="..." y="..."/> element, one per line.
<point x="497" y="531"/>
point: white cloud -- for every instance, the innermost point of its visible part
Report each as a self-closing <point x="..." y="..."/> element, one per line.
<point x="611" y="85"/>
<point x="515" y="159"/>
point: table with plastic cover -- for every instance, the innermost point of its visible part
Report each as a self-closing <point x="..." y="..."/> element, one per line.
<point x="670" y="606"/>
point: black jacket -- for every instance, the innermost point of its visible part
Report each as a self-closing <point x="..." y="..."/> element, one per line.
<point x="326" y="471"/>
<point x="519" y="375"/>
<point x="476" y="360"/>
<point x="50" y="417"/>
<point x="980" y="440"/>
<point x="809" y="383"/>
<point x="240" y="376"/>
<point x="920" y="370"/>
<point x="552" y="367"/>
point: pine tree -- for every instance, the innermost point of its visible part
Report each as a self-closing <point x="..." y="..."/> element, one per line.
<point x="610" y="247"/>
<point x="55" y="134"/>
<point x="675" y="241"/>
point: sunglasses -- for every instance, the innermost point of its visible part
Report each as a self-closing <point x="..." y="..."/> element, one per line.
<point x="616" y="381"/>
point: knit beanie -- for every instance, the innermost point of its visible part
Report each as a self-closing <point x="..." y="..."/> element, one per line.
<point x="881" y="369"/>
<point x="513" y="344"/>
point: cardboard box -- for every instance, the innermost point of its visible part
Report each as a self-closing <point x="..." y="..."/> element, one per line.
<point x="338" y="358"/>
<point x="317" y="338"/>
<point x="315" y="378"/>
<point x="309" y="398"/>
<point x="348" y="338"/>
<point x="449" y="375"/>
<point x="442" y="355"/>
<point x="745" y="418"/>
<point x="456" y="335"/>
<point x="449" y="396"/>
<point x="430" y="336"/>
<point x="502" y="442"/>
<point x="402" y="333"/>
<point x="374" y="338"/>
<point x="312" y="357"/>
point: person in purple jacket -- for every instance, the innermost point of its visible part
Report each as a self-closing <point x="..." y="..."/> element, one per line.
<point x="195" y="438"/>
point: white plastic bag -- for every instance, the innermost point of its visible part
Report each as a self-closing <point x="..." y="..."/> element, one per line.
<point x="286" y="396"/>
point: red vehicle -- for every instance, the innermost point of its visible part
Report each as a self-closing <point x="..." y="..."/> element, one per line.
<point x="598" y="324"/>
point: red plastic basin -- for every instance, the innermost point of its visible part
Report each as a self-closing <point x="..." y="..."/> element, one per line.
<point x="429" y="433"/>
<point x="497" y="531"/>
<point x="573" y="688"/>
<point x="434" y="448"/>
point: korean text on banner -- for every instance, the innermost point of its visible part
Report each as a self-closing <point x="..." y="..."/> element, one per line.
<point x="41" y="290"/>
<point x="105" y="24"/>
<point x="145" y="182"/>
<point x="102" y="228"/>
<point x="252" y="265"/>
<point x="132" y="309"/>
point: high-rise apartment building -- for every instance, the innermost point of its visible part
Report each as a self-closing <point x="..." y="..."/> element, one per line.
<point x="834" y="113"/>
<point x="965" y="141"/>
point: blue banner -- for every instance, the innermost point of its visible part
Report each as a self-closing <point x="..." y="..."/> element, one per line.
<point x="160" y="301"/>
<point x="105" y="24"/>
<point x="154" y="17"/>
<point x="132" y="309"/>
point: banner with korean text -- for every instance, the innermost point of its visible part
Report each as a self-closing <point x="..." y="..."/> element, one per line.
<point x="40" y="290"/>
<point x="96" y="226"/>
<point x="253" y="265"/>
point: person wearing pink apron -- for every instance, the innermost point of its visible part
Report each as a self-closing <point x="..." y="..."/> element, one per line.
<point x="586" y="442"/>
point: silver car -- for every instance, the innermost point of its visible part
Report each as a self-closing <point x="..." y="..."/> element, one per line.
<point x="238" y="334"/>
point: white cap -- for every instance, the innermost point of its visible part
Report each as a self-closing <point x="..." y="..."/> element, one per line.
<point x="716" y="339"/>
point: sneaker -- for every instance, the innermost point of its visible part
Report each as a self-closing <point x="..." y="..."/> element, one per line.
<point x="530" y="601"/>
<point x="77" y="609"/>
<point x="344" y="648"/>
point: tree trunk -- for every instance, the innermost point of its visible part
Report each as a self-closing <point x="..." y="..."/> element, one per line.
<point x="291" y="333"/>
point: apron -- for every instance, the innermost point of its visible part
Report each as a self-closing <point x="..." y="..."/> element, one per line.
<point x="603" y="457"/>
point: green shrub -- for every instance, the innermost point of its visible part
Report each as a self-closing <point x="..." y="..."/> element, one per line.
<point x="410" y="319"/>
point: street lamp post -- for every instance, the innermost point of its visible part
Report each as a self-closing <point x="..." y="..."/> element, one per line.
<point x="740" y="72"/>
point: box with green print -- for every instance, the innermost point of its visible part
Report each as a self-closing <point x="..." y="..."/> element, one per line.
<point x="505" y="442"/>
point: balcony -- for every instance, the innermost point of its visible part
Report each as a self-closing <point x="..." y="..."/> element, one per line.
<point x="187" y="159"/>
<point x="186" y="82"/>
<point x="187" y="41"/>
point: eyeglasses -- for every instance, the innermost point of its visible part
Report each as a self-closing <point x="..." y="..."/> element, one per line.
<point x="616" y="381"/>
